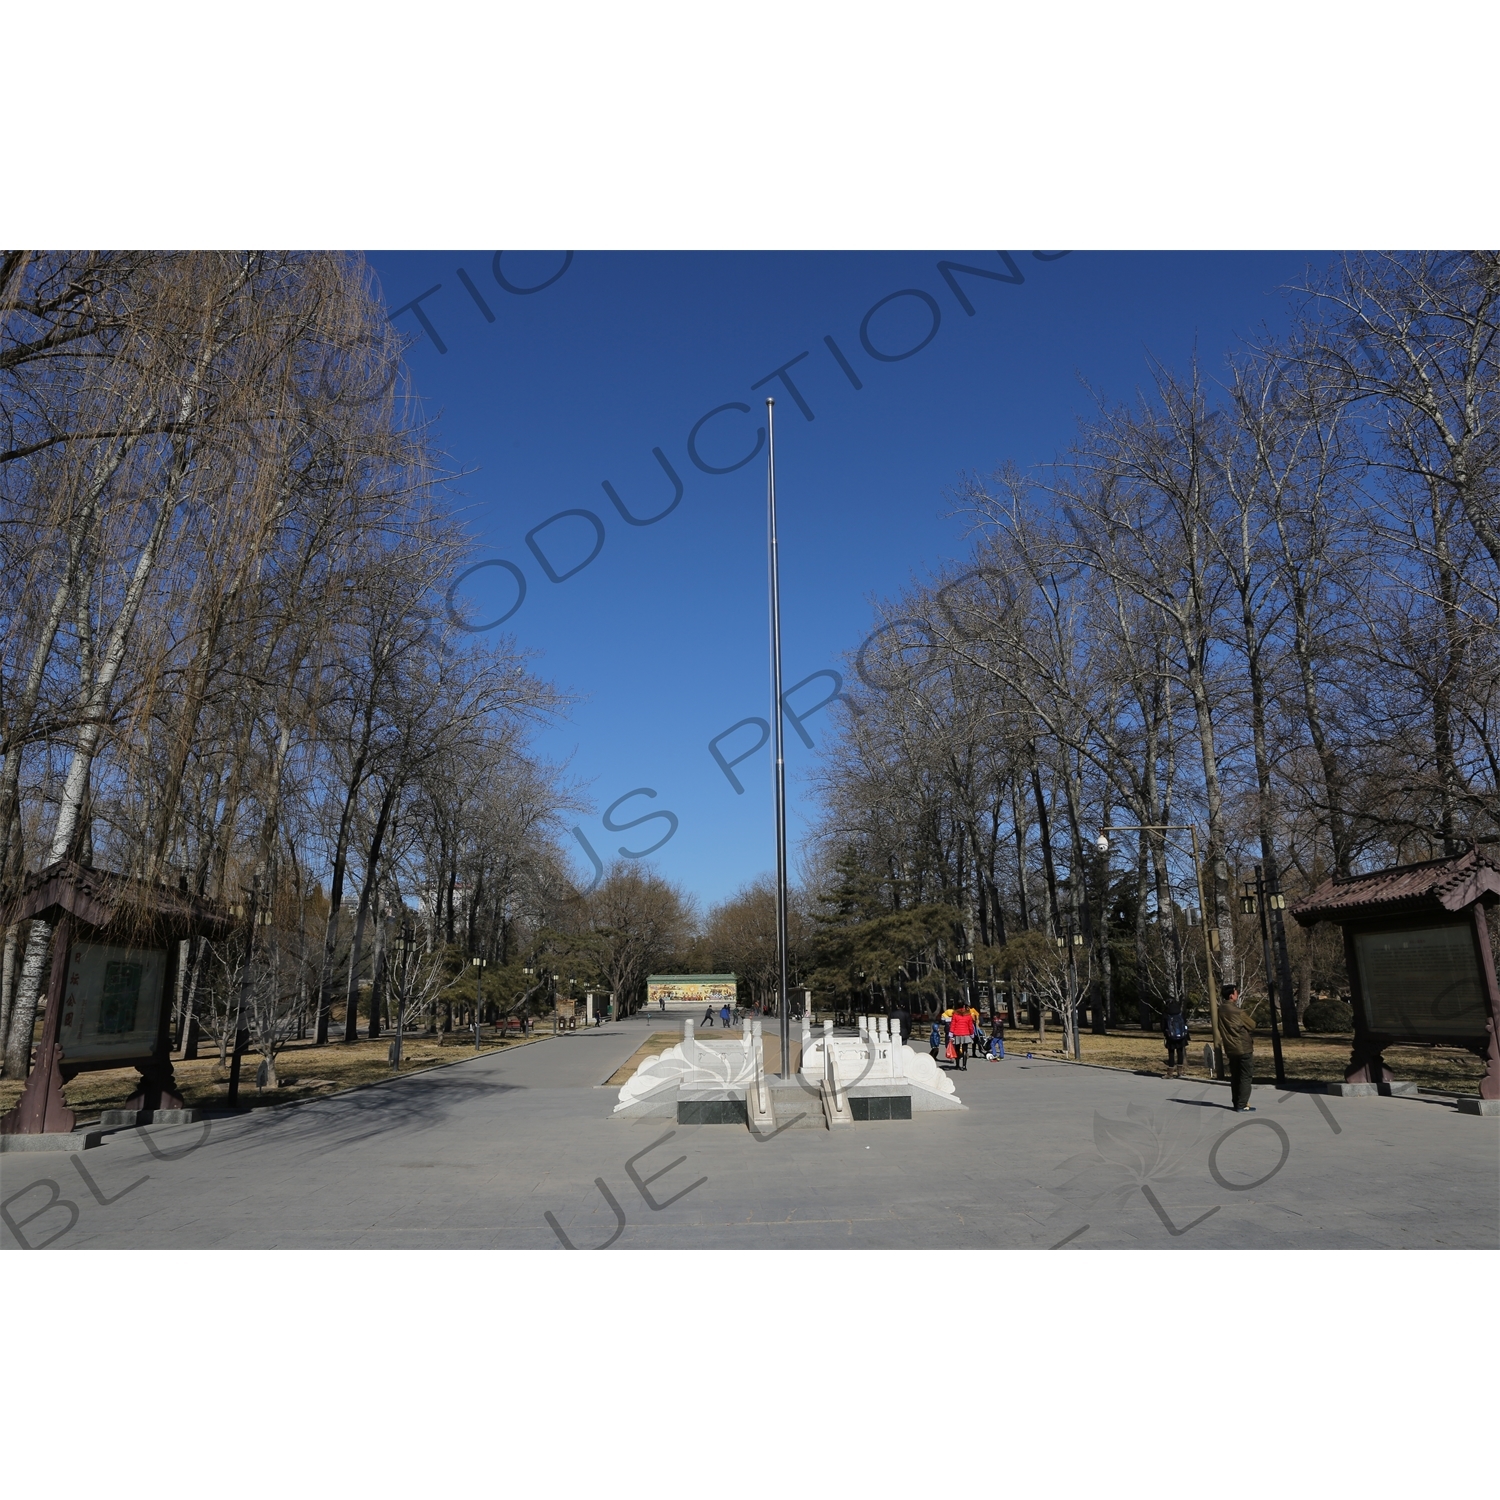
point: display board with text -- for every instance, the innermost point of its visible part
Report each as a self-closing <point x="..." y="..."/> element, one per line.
<point x="112" y="1002"/>
<point x="1424" y="983"/>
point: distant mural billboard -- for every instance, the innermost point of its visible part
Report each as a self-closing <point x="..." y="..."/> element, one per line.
<point x="690" y="991"/>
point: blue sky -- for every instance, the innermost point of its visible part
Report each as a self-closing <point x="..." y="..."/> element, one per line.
<point x="663" y="635"/>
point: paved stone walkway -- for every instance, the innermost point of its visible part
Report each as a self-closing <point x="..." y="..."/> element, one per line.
<point x="517" y="1149"/>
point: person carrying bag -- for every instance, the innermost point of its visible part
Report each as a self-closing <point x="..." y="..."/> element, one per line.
<point x="961" y="1035"/>
<point x="1175" y="1032"/>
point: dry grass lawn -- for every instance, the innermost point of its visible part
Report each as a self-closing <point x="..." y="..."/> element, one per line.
<point x="654" y="1045"/>
<point x="303" y="1069"/>
<point x="1319" y="1059"/>
<point x="659" y="1041"/>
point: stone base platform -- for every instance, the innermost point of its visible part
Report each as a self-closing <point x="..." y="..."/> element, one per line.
<point x="699" y="1106"/>
<point x="1398" y="1088"/>
<point x="879" y="1107"/>
<point x="794" y="1104"/>
<point x="71" y="1140"/>
<point x="1468" y="1105"/>
<point x="922" y="1100"/>
<point x="113" y="1119"/>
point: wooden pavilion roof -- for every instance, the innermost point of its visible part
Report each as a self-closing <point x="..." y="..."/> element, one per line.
<point x="1437" y="885"/>
<point x="104" y="899"/>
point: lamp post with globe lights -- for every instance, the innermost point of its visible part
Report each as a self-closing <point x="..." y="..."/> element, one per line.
<point x="1260" y="897"/>
<point x="479" y="965"/>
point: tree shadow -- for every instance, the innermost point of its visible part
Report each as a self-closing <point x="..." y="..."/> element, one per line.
<point x="407" y="1105"/>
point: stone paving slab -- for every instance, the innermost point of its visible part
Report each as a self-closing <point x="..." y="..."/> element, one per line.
<point x="479" y="1155"/>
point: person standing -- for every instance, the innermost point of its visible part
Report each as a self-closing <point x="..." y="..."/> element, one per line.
<point x="935" y="1041"/>
<point x="1174" y="1029"/>
<point x="901" y="1020"/>
<point x="1237" y="1028"/>
<point x="961" y="1031"/>
<point x="724" y="1016"/>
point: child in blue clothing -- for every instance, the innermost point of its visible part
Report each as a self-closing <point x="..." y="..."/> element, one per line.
<point x="935" y="1041"/>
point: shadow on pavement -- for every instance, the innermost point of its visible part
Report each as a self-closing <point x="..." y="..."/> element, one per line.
<point x="408" y="1104"/>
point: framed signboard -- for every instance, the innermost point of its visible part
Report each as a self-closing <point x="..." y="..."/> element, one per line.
<point x="112" y="1002"/>
<point x="688" y="991"/>
<point x="1422" y="982"/>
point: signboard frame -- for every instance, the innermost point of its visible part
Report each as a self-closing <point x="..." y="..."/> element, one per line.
<point x="113" y="990"/>
<point x="1374" y="1001"/>
<point x="100" y="918"/>
<point x="686" y="992"/>
<point x="1438" y="897"/>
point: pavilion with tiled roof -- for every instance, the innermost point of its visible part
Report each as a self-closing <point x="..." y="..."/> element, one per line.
<point x="1420" y="960"/>
<point x="115" y="945"/>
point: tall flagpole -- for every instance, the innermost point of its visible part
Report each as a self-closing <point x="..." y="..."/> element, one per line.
<point x="784" y="1010"/>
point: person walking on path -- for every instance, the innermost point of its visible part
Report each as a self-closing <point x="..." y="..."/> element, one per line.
<point x="708" y="1016"/>
<point x="1237" y="1027"/>
<point x="901" y="1021"/>
<point x="724" y="1017"/>
<point x="1174" y="1029"/>
<point x="935" y="1041"/>
<point x="961" y="1031"/>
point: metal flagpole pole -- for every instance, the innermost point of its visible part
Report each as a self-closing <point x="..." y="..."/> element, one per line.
<point x="784" y="1007"/>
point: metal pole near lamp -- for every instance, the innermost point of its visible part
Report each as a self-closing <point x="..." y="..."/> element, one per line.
<point x="1072" y="943"/>
<point x="778" y="749"/>
<point x="405" y="944"/>
<point x="479" y="965"/>
<point x="1254" y="899"/>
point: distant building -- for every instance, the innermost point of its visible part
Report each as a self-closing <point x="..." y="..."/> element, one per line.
<point x="432" y="902"/>
<point x="690" y="991"/>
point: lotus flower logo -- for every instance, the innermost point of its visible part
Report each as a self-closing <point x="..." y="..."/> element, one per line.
<point x="1129" y="1156"/>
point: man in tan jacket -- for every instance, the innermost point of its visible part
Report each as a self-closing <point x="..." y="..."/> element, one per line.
<point x="1237" y="1029"/>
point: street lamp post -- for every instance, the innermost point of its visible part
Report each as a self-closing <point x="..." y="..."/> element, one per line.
<point x="778" y="749"/>
<point x="1208" y="957"/>
<point x="1071" y="943"/>
<point x="479" y="965"/>
<point x="1256" y="898"/>
<point x="405" y="943"/>
<point x="1075" y="943"/>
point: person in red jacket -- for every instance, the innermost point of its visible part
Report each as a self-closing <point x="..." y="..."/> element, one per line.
<point x="961" y="1030"/>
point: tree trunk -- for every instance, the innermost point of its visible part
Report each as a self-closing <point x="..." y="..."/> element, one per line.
<point x="1045" y="833"/>
<point x="377" y="979"/>
<point x="369" y="887"/>
<point x="8" y="982"/>
<point x="191" y="1030"/>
